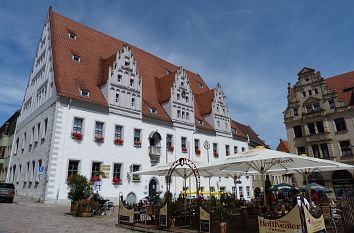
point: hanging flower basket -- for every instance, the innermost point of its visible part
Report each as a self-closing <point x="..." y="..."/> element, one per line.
<point x="116" y="180"/>
<point x="197" y="151"/>
<point x="184" y="149"/>
<point x="118" y="141"/>
<point x="99" y="139"/>
<point x="77" y="135"/>
<point x="170" y="148"/>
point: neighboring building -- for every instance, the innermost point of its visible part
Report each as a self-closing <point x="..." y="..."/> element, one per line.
<point x="7" y="132"/>
<point x="319" y="122"/>
<point x="283" y="146"/>
<point x="99" y="107"/>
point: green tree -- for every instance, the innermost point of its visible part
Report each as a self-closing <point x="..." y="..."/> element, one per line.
<point x="79" y="188"/>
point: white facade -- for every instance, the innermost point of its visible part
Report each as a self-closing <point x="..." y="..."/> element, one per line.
<point x="46" y="129"/>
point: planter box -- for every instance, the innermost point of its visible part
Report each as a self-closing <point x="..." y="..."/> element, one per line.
<point x="73" y="208"/>
<point x="85" y="210"/>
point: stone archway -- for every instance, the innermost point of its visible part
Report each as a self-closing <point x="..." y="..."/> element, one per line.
<point x="342" y="183"/>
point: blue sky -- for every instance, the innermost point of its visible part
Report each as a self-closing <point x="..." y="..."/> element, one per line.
<point x="253" y="48"/>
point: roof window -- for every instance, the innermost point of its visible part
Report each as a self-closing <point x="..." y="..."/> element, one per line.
<point x="76" y="58"/>
<point x="153" y="110"/>
<point x="84" y="93"/>
<point x="200" y="122"/>
<point x="72" y="35"/>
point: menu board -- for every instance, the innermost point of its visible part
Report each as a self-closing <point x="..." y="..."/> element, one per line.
<point x="204" y="217"/>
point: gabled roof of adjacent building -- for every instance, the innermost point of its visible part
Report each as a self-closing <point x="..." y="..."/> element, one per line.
<point x="98" y="51"/>
<point x="283" y="146"/>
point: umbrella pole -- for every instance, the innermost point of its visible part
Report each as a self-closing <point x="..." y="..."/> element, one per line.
<point x="209" y="188"/>
<point x="264" y="191"/>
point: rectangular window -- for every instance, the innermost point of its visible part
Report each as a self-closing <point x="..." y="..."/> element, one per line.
<point x="316" y="91"/>
<point x="184" y="144"/>
<point x="222" y="188"/>
<point x="296" y="111"/>
<point x="227" y="150"/>
<point x="133" y="102"/>
<point x="169" y="143"/>
<point x="137" y="137"/>
<point x="77" y="127"/>
<point x="179" y="113"/>
<point x="117" y="171"/>
<point x="196" y="144"/>
<point x="240" y="190"/>
<point x="315" y="151"/>
<point x="73" y="167"/>
<point x="319" y="125"/>
<point x="45" y="127"/>
<point x="212" y="189"/>
<point x="118" y="132"/>
<point x="311" y="127"/>
<point x="301" y="150"/>
<point x="316" y="107"/>
<point x="99" y="129"/>
<point x="309" y="108"/>
<point x="248" y="191"/>
<point x="340" y="124"/>
<point x="135" y="168"/>
<point x="297" y="131"/>
<point x="38" y="130"/>
<point x="132" y="82"/>
<point x="117" y="98"/>
<point x="346" y="148"/>
<point x="324" y="149"/>
<point x="235" y="149"/>
<point x="215" y="150"/>
<point x="243" y="149"/>
<point x="95" y="172"/>
<point x="331" y="104"/>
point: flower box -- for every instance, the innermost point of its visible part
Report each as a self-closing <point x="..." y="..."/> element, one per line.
<point x="68" y="179"/>
<point x="197" y="151"/>
<point x="170" y="148"/>
<point x="216" y="154"/>
<point x="95" y="178"/>
<point x="116" y="181"/>
<point x="137" y="143"/>
<point x="184" y="149"/>
<point x="77" y="135"/>
<point x="99" y="139"/>
<point x="118" y="141"/>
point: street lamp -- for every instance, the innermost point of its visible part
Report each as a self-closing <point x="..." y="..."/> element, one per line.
<point x="206" y="146"/>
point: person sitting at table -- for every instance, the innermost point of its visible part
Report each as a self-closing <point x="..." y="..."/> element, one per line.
<point x="314" y="196"/>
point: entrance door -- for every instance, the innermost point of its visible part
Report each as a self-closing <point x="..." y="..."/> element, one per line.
<point x="152" y="188"/>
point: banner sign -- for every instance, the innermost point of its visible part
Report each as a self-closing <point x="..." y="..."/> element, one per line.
<point x="204" y="217"/>
<point x="290" y="223"/>
<point x="314" y="224"/>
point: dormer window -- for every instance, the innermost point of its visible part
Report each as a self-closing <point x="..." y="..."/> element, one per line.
<point x="132" y="82"/>
<point x="119" y="79"/>
<point x="153" y="110"/>
<point x="72" y="35"/>
<point x="76" y="58"/>
<point x="84" y="93"/>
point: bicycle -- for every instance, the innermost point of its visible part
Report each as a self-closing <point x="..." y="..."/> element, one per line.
<point x="103" y="207"/>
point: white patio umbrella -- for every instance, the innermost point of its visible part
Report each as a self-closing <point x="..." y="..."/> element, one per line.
<point x="265" y="161"/>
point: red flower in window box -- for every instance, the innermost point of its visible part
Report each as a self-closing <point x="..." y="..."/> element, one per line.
<point x="77" y="135"/>
<point x="116" y="180"/>
<point x="99" y="139"/>
<point x="118" y="141"/>
<point x="170" y="148"/>
<point x="216" y="154"/>
<point x="95" y="178"/>
<point x="68" y="179"/>
<point x="197" y="151"/>
<point x="137" y="143"/>
<point x="184" y="149"/>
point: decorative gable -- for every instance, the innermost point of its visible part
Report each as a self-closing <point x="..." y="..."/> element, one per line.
<point x="123" y="88"/>
<point x="180" y="106"/>
<point x="219" y="117"/>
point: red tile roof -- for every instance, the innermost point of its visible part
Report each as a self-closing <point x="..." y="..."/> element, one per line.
<point x="283" y="146"/>
<point x="98" y="51"/>
<point x="241" y="130"/>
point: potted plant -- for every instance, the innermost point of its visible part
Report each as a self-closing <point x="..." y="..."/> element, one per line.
<point x="79" y="189"/>
<point x="99" y="138"/>
<point x="118" y="141"/>
<point x="116" y="180"/>
<point x="197" y="151"/>
<point x="77" y="135"/>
